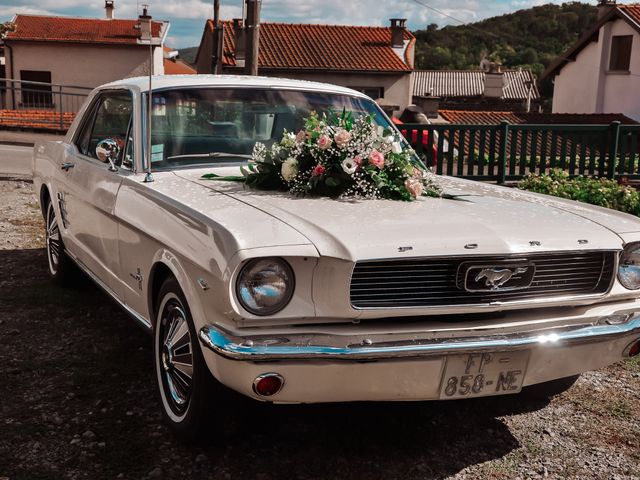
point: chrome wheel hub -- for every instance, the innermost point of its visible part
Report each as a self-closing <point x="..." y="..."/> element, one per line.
<point x="176" y="355"/>
<point x="53" y="241"/>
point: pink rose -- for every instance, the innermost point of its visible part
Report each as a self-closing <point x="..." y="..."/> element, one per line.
<point x="357" y="160"/>
<point x="376" y="158"/>
<point x="318" y="170"/>
<point x="342" y="138"/>
<point x="324" y="142"/>
<point x="301" y="136"/>
<point x="414" y="187"/>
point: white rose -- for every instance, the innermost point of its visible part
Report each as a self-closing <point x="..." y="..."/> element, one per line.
<point x="380" y="130"/>
<point x="396" y="147"/>
<point x="289" y="169"/>
<point x="349" y="166"/>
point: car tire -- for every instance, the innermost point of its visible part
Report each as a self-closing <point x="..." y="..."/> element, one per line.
<point x="542" y="391"/>
<point x="61" y="268"/>
<point x="185" y="385"/>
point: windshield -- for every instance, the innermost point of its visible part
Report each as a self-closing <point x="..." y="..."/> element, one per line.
<point x="213" y="125"/>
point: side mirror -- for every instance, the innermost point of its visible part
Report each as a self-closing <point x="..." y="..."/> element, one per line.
<point x="108" y="150"/>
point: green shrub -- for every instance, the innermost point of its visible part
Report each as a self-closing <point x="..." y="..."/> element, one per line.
<point x="596" y="191"/>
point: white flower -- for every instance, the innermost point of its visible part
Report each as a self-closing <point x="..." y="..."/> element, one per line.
<point x="388" y="139"/>
<point x="349" y="166"/>
<point x="380" y="130"/>
<point x="259" y="151"/>
<point x="396" y="147"/>
<point x="289" y="169"/>
<point x="288" y="140"/>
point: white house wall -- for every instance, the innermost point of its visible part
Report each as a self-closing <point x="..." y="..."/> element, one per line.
<point x="586" y="86"/>
<point x="397" y="87"/>
<point x="575" y="89"/>
<point x="83" y="65"/>
<point x="622" y="91"/>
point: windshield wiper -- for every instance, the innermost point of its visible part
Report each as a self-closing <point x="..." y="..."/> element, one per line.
<point x="210" y="155"/>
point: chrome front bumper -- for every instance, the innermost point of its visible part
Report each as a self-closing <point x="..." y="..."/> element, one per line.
<point x="301" y="346"/>
<point x="329" y="367"/>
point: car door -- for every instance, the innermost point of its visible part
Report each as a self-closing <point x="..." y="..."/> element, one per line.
<point x="91" y="186"/>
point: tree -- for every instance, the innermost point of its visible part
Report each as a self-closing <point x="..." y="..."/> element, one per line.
<point x="5" y="28"/>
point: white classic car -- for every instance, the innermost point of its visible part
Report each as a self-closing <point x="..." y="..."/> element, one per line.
<point x="287" y="299"/>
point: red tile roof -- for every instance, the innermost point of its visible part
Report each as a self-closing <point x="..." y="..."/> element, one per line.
<point x="36" y="119"/>
<point x="175" y="66"/>
<point x="78" y="30"/>
<point x="632" y="10"/>
<point x="322" y="47"/>
<point x="466" y="117"/>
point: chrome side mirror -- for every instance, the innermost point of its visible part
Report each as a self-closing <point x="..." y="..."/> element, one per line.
<point x="108" y="150"/>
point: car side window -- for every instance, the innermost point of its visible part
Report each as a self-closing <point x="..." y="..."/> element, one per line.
<point x="111" y="119"/>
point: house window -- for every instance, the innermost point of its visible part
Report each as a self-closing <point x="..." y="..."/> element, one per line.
<point x="620" y="53"/>
<point x="36" y="94"/>
<point x="373" y="92"/>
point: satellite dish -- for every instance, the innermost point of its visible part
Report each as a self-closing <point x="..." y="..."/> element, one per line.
<point x="485" y="65"/>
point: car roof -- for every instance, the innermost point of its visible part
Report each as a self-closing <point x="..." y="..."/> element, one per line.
<point x="141" y="84"/>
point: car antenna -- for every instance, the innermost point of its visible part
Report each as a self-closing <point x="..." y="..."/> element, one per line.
<point x="146" y="34"/>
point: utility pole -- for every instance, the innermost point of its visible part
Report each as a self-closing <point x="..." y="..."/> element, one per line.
<point x="252" y="26"/>
<point x="219" y="39"/>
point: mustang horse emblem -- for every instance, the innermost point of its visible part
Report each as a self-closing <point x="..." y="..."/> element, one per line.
<point x="496" y="277"/>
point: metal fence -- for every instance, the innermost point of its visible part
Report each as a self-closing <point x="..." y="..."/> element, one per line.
<point x="39" y="105"/>
<point x="508" y="152"/>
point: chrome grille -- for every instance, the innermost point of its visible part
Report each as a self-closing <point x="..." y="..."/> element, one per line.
<point x="427" y="282"/>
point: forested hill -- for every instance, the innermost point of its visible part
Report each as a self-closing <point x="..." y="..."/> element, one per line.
<point x="527" y="38"/>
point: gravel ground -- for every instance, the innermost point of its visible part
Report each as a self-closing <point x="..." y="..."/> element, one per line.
<point x="78" y="401"/>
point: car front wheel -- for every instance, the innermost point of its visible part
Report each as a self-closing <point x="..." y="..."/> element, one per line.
<point x="60" y="267"/>
<point x="184" y="382"/>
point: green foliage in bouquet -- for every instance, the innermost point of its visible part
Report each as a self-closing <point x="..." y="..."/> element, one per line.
<point x="339" y="156"/>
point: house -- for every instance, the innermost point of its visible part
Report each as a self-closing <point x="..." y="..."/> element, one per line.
<point x="600" y="73"/>
<point x="499" y="89"/>
<point x="82" y="52"/>
<point x="375" y="60"/>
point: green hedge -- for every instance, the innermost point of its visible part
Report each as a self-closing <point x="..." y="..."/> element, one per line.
<point x="596" y="191"/>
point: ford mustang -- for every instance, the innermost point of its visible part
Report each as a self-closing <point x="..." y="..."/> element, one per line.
<point x="481" y="291"/>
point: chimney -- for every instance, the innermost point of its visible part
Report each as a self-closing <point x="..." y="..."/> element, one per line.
<point x="397" y="32"/>
<point x="144" y="21"/>
<point x="493" y="81"/>
<point x="239" y="37"/>
<point x="109" y="7"/>
<point x="605" y="6"/>
<point x="430" y="105"/>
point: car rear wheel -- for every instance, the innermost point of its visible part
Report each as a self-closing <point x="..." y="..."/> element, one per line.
<point x="60" y="266"/>
<point x="185" y="385"/>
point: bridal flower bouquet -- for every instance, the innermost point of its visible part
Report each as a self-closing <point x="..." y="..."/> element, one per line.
<point x="337" y="156"/>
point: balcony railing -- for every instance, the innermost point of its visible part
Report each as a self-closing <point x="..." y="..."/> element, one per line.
<point x="39" y="105"/>
<point x="508" y="152"/>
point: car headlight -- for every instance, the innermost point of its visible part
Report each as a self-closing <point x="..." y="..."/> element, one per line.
<point x="629" y="266"/>
<point x="265" y="285"/>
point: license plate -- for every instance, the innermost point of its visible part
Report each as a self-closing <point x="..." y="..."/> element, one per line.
<point x="483" y="374"/>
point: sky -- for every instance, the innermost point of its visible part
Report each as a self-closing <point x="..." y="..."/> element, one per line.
<point x="187" y="17"/>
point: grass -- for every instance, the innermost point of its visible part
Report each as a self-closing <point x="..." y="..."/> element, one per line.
<point x="633" y="363"/>
<point x="620" y="409"/>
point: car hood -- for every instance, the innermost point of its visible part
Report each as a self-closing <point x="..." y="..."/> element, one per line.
<point x="478" y="219"/>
